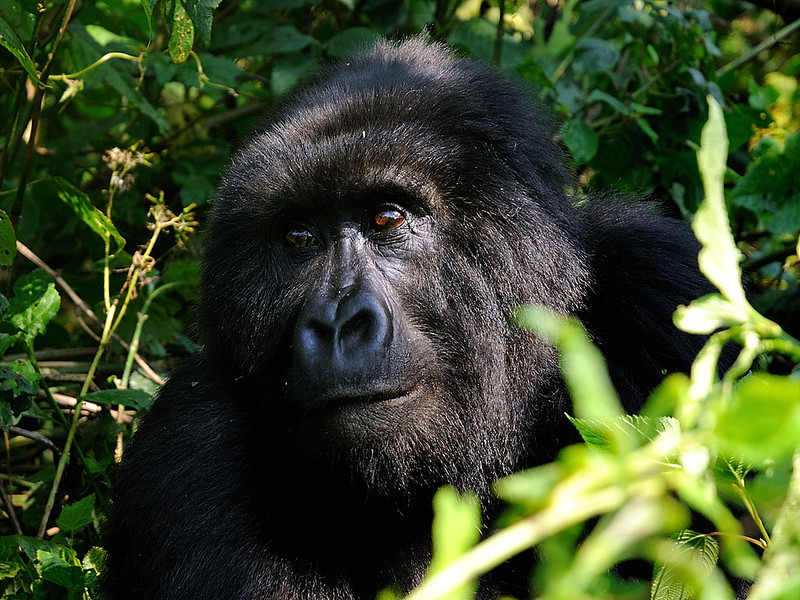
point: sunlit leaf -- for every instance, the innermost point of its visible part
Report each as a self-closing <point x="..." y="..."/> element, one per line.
<point x="456" y="529"/>
<point x="34" y="304"/>
<point x="719" y="258"/>
<point x="11" y="42"/>
<point x="708" y="314"/>
<point x="762" y="420"/>
<point x="89" y="213"/>
<point x="181" y="34"/>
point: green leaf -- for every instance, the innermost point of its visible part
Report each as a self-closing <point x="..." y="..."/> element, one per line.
<point x="181" y="34"/>
<point x="89" y="213"/>
<point x="456" y="529"/>
<point x="595" y="55"/>
<point x="201" y="12"/>
<point x="581" y="140"/>
<point x="288" y="70"/>
<point x="602" y="434"/>
<point x="697" y="553"/>
<point x="62" y="568"/>
<point x="762" y="419"/>
<point x="77" y="516"/>
<point x="8" y="241"/>
<point x="10" y="557"/>
<point x="137" y="399"/>
<point x="531" y="487"/>
<point x="31" y="546"/>
<point x="719" y="258"/>
<point x="708" y="314"/>
<point x="11" y="42"/>
<point x="601" y="96"/>
<point x="18" y="385"/>
<point x="284" y="39"/>
<point x="34" y="304"/>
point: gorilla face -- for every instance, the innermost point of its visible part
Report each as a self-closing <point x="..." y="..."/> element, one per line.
<point x="367" y="249"/>
<point x="371" y="243"/>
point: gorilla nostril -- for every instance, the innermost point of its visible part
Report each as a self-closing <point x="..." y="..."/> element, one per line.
<point x="358" y="328"/>
<point x="324" y="332"/>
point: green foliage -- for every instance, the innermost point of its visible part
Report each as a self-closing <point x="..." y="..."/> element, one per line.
<point x="115" y="122"/>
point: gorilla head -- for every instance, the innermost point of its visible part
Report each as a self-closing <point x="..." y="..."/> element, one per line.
<point x="368" y="247"/>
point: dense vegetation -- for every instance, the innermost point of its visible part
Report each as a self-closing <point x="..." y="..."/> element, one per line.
<point x="116" y="118"/>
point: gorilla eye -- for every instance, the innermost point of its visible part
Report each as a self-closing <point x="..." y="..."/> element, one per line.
<point x="388" y="219"/>
<point x="300" y="238"/>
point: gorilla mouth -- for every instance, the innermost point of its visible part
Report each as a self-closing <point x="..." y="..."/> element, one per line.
<point x="383" y="396"/>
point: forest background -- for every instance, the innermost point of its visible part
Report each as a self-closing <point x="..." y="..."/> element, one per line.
<point x="116" y="119"/>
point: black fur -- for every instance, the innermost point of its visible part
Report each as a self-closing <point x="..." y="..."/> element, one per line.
<point x="343" y="382"/>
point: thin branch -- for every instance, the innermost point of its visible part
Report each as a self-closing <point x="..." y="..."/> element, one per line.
<point x="12" y="514"/>
<point x="767" y="43"/>
<point x="84" y="308"/>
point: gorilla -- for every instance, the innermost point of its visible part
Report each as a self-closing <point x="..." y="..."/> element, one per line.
<point x="368" y="247"/>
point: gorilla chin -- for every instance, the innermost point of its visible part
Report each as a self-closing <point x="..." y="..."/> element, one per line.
<point x="367" y="248"/>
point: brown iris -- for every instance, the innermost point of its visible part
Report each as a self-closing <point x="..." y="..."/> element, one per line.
<point x="300" y="238"/>
<point x="389" y="219"/>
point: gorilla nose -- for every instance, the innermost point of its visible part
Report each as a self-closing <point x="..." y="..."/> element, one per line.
<point x="343" y="338"/>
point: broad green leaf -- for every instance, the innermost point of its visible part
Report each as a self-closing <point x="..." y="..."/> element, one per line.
<point x="31" y="546"/>
<point x="76" y="516"/>
<point x="201" y="12"/>
<point x="762" y="419"/>
<point x="595" y="55"/>
<point x="10" y="557"/>
<point x="288" y="70"/>
<point x="284" y="39"/>
<point x="35" y="302"/>
<point x="181" y="34"/>
<point x="456" y="529"/>
<point x="719" y="258"/>
<point x="62" y="568"/>
<point x="131" y="398"/>
<point x="603" y="434"/>
<point x="696" y="552"/>
<point x="581" y="140"/>
<point x="8" y="241"/>
<point x="708" y="314"/>
<point x="18" y="385"/>
<point x="95" y="559"/>
<point x="89" y="213"/>
<point x="11" y="42"/>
